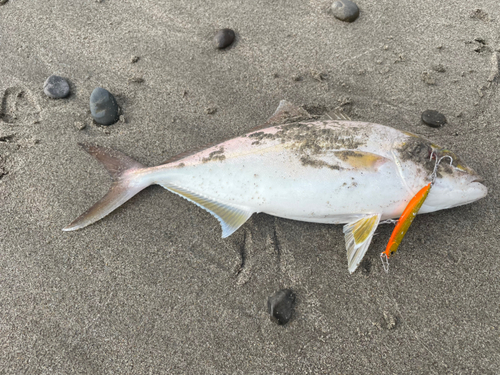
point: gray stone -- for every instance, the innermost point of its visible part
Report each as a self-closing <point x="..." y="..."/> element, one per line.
<point x="433" y="118"/>
<point x="345" y="10"/>
<point x="56" y="87"/>
<point x="280" y="306"/>
<point x="103" y="107"/>
<point x="224" y="38"/>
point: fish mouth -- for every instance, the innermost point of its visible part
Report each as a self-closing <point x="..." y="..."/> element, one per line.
<point x="478" y="179"/>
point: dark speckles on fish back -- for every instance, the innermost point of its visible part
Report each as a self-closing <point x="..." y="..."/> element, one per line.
<point x="418" y="150"/>
<point x="345" y="155"/>
<point x="308" y="161"/>
<point x="215" y="156"/>
<point x="312" y="139"/>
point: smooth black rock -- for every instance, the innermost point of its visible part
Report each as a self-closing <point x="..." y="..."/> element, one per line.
<point x="280" y="306"/>
<point x="103" y="107"/>
<point x="56" y="87"/>
<point x="345" y="10"/>
<point x="432" y="118"/>
<point x="224" y="38"/>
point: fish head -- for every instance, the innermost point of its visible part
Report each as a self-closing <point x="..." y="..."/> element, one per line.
<point x="455" y="183"/>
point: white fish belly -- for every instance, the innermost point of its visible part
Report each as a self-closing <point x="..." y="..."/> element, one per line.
<point x="278" y="183"/>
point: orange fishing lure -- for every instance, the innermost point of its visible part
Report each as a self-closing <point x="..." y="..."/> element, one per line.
<point x="405" y="220"/>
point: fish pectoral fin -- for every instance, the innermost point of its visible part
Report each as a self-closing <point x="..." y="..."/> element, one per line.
<point x="230" y="217"/>
<point x="358" y="235"/>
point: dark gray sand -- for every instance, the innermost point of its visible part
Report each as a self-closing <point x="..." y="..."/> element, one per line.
<point x="153" y="289"/>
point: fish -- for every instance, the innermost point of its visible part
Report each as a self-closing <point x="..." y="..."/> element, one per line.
<point x="300" y="167"/>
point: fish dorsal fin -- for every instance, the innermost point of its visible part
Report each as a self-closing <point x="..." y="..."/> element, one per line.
<point x="358" y="235"/>
<point x="285" y="112"/>
<point x="338" y="114"/>
<point x="230" y="217"/>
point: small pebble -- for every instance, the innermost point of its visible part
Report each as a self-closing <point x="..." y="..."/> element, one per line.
<point x="134" y="59"/>
<point x="480" y="15"/>
<point x="428" y="78"/>
<point x="224" y="38"/>
<point x="366" y="266"/>
<point x="433" y="118"/>
<point x="2" y="2"/>
<point x="80" y="125"/>
<point x="390" y="320"/>
<point x="439" y="68"/>
<point x="56" y="87"/>
<point x="345" y="10"/>
<point x="296" y="78"/>
<point x="136" y="80"/>
<point x="103" y="106"/>
<point x="210" y="110"/>
<point x="319" y="76"/>
<point x="280" y="306"/>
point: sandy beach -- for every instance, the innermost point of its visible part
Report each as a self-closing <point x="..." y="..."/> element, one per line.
<point x="153" y="288"/>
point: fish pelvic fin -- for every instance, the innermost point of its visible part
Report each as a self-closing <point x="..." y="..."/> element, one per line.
<point x="230" y="217"/>
<point x="358" y="236"/>
<point x="126" y="183"/>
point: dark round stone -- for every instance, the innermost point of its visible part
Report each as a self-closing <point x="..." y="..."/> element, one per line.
<point x="345" y="10"/>
<point x="432" y="118"/>
<point x="56" y="87"/>
<point x="280" y="306"/>
<point x="224" y="38"/>
<point x="103" y="106"/>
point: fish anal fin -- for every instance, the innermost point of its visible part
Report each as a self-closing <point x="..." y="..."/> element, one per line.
<point x="358" y="235"/>
<point x="230" y="217"/>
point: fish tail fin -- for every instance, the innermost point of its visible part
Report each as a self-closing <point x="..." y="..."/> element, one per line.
<point x="126" y="183"/>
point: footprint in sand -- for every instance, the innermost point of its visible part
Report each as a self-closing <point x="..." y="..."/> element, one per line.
<point x="19" y="107"/>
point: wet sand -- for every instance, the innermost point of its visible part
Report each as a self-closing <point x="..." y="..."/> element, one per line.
<point x="152" y="288"/>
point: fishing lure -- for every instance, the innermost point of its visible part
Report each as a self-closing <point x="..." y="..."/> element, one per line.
<point x="409" y="213"/>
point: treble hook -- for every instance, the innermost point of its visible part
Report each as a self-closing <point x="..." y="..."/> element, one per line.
<point x="434" y="172"/>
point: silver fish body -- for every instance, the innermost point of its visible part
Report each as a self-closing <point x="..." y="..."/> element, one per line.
<point x="330" y="171"/>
